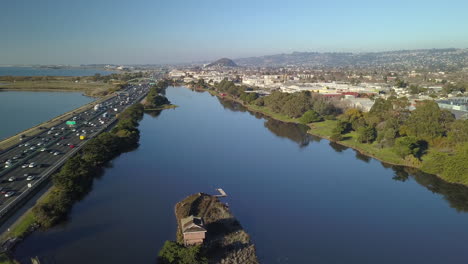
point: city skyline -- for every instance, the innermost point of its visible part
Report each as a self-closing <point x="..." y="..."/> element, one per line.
<point x="160" y="32"/>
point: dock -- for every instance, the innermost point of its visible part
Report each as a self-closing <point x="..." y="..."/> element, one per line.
<point x="222" y="193"/>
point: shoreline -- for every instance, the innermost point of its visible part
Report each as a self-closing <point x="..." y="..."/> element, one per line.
<point x="10" y="141"/>
<point x="311" y="132"/>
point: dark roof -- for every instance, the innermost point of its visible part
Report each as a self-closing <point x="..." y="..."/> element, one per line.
<point x="192" y="224"/>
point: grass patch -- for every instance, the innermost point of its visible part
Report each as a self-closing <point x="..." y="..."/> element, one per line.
<point x="5" y="259"/>
<point x="22" y="225"/>
<point x="324" y="128"/>
<point x="89" y="87"/>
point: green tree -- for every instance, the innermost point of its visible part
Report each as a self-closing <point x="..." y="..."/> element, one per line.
<point x="309" y="117"/>
<point x="173" y="253"/>
<point x="427" y="121"/>
<point x="405" y="146"/>
<point x="366" y="134"/>
<point x="458" y="132"/>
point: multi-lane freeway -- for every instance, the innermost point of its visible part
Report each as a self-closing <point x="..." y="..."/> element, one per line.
<point x="34" y="158"/>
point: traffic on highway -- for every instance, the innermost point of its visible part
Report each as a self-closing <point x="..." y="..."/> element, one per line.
<point x="23" y="165"/>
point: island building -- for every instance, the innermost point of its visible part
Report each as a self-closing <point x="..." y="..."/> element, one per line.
<point x="193" y="230"/>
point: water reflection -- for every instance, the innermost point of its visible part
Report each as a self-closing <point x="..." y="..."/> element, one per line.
<point x="153" y="113"/>
<point x="295" y="132"/>
<point x="456" y="195"/>
<point x="362" y="157"/>
<point x="337" y="147"/>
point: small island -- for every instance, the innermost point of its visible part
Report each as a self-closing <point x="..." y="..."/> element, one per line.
<point x="207" y="232"/>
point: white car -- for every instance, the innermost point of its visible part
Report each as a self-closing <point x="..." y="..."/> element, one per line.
<point x="30" y="178"/>
<point x="9" y="194"/>
<point x="32" y="165"/>
<point x="43" y="149"/>
<point x="24" y="166"/>
<point x="11" y="179"/>
<point x="56" y="153"/>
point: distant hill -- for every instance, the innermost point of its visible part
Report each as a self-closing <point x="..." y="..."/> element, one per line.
<point x="441" y="59"/>
<point x="224" y="62"/>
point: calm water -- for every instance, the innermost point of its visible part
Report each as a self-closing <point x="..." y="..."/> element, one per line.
<point x="22" y="110"/>
<point x="36" y="71"/>
<point x="302" y="199"/>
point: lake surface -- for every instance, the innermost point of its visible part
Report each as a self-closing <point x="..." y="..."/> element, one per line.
<point x="23" y="110"/>
<point x="302" y="199"/>
<point x="37" y="71"/>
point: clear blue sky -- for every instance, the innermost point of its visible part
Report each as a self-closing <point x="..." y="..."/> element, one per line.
<point x="172" y="31"/>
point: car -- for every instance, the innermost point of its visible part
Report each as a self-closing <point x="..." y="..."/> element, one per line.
<point x="32" y="148"/>
<point x="20" y="145"/>
<point x="43" y="149"/>
<point x="9" y="194"/>
<point x="56" y="153"/>
<point x="32" y="165"/>
<point x="72" y="146"/>
<point x="11" y="179"/>
<point x="7" y="165"/>
<point x="27" y="144"/>
<point x="24" y="166"/>
<point x="40" y="144"/>
<point x="58" y="144"/>
<point x="30" y="178"/>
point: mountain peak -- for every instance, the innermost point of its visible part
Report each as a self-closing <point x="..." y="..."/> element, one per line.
<point x="224" y="62"/>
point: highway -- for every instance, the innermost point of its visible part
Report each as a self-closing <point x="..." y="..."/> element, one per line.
<point x="36" y="157"/>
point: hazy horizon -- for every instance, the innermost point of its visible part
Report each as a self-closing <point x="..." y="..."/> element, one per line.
<point x="162" y="32"/>
<point x="214" y="59"/>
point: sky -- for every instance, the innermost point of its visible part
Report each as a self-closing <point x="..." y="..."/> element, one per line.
<point x="180" y="31"/>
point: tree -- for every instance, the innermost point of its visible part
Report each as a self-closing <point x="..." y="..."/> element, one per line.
<point x="400" y="83"/>
<point x="173" y="253"/>
<point x="366" y="134"/>
<point x="309" y="117"/>
<point x="355" y="117"/>
<point x="405" y="146"/>
<point x="427" y="121"/>
<point x="458" y="132"/>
